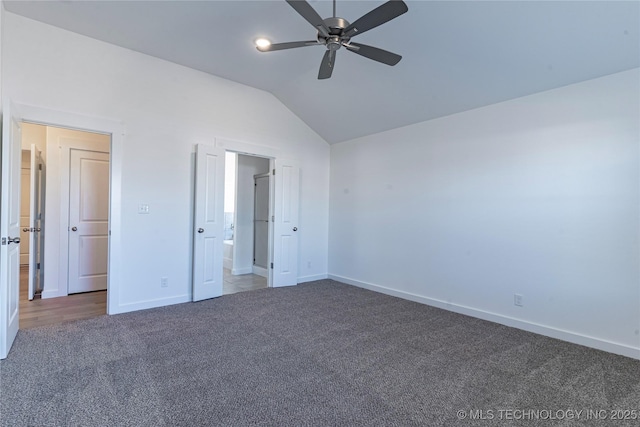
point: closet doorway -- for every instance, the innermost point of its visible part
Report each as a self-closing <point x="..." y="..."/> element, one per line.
<point x="64" y="220"/>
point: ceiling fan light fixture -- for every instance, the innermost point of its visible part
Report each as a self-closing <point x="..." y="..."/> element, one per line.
<point x="262" y="43"/>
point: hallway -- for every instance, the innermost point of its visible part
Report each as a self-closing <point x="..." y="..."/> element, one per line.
<point x="50" y="311"/>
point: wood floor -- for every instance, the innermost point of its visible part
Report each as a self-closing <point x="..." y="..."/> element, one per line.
<point x="40" y="312"/>
<point x="50" y="311"/>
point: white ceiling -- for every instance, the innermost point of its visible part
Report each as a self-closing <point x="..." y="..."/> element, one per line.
<point x="457" y="55"/>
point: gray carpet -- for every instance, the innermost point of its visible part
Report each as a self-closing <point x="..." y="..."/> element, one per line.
<point x="319" y="354"/>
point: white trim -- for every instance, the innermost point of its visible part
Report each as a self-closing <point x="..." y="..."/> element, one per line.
<point x="241" y="271"/>
<point x="247" y="148"/>
<point x="260" y="271"/>
<point x="285" y="285"/>
<point x="116" y="129"/>
<point x="537" y="328"/>
<point x="313" y="278"/>
<point x="152" y="303"/>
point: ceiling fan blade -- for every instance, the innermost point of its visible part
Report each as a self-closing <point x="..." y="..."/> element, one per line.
<point x="309" y="13"/>
<point x="288" y="45"/>
<point x="374" y="53"/>
<point x="378" y="16"/>
<point x="326" y="67"/>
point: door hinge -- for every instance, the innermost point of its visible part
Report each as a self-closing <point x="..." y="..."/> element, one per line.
<point x="4" y="240"/>
<point x="39" y="166"/>
<point x="38" y="266"/>
<point x="274" y="172"/>
<point x="273" y="218"/>
<point x="272" y="266"/>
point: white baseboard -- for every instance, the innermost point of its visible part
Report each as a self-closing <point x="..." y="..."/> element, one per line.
<point x="259" y="271"/>
<point x="315" y="277"/>
<point x="154" y="303"/>
<point x="240" y="271"/>
<point x="572" y="337"/>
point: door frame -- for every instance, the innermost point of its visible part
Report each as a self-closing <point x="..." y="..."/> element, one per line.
<point x="115" y="128"/>
<point x="249" y="149"/>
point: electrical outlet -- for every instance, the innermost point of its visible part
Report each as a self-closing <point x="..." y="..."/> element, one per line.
<point x="164" y="282"/>
<point x="517" y="300"/>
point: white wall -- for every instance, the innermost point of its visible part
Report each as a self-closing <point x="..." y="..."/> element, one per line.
<point x="2" y="12"/>
<point x="247" y="167"/>
<point x="230" y="182"/>
<point x="166" y="110"/>
<point x="537" y="196"/>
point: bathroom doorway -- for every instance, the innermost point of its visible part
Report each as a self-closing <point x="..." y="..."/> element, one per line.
<point x="246" y="223"/>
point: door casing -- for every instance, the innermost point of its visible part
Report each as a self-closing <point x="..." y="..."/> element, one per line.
<point x="115" y="129"/>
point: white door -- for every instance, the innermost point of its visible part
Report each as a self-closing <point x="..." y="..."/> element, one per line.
<point x="25" y="185"/>
<point x="88" y="220"/>
<point x="208" y="222"/>
<point x="285" y="230"/>
<point x="10" y="229"/>
<point x="36" y="237"/>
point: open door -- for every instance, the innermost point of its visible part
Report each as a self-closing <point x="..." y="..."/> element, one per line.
<point x="36" y="231"/>
<point x="285" y="230"/>
<point x="9" y="228"/>
<point x="208" y="222"/>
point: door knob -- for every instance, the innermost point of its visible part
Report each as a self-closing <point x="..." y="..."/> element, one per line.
<point x="200" y="230"/>
<point x="25" y="229"/>
<point x="13" y="240"/>
<point x="74" y="228"/>
<point x="295" y="228"/>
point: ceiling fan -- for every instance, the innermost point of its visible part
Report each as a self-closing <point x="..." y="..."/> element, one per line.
<point x="335" y="32"/>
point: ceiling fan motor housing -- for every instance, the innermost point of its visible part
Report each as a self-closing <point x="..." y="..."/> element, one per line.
<point x="335" y="25"/>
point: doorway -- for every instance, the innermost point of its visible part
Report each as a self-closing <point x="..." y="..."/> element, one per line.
<point x="242" y="270"/>
<point x="67" y="226"/>
<point x="32" y="198"/>
<point x="13" y="118"/>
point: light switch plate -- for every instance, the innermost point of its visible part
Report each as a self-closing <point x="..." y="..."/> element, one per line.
<point x="143" y="209"/>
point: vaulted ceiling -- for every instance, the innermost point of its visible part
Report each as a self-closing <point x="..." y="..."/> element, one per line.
<point x="457" y="55"/>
